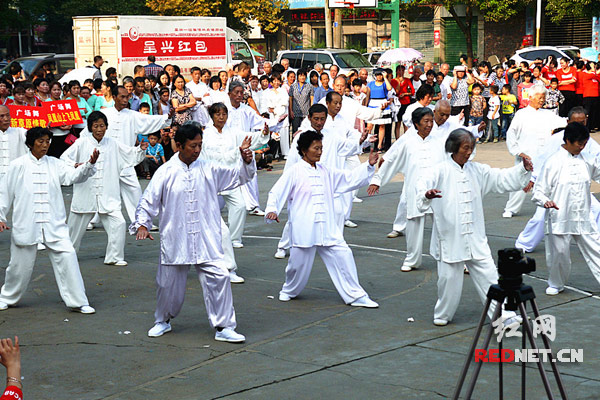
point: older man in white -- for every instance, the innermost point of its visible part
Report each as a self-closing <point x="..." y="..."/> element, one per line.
<point x="454" y="190"/>
<point x="563" y="188"/>
<point x="184" y="194"/>
<point x="101" y="193"/>
<point x="526" y="137"/>
<point x="12" y="141"/>
<point x="32" y="188"/>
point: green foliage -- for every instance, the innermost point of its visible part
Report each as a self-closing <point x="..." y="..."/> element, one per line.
<point x="355" y="46"/>
<point x="573" y="8"/>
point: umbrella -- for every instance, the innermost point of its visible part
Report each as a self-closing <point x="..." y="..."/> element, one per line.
<point x="589" y="53"/>
<point x="79" y="74"/>
<point x="403" y="55"/>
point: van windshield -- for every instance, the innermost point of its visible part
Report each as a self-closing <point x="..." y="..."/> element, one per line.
<point x="351" y="60"/>
<point x="241" y="52"/>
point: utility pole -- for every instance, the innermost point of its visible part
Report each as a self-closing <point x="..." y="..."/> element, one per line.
<point x="538" y="22"/>
<point x="394" y="8"/>
<point x="328" y="38"/>
<point x="337" y="29"/>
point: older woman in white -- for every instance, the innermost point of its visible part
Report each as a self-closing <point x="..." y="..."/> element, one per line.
<point x="101" y="194"/>
<point x="454" y="190"/>
<point x="277" y="102"/>
<point x="184" y="194"/>
<point x="563" y="188"/>
<point x="32" y="188"/>
<point x="309" y="187"/>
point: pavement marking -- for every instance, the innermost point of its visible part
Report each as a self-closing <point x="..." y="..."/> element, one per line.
<point x="584" y="292"/>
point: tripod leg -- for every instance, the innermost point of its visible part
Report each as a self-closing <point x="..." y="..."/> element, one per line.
<point x="463" y="373"/>
<point x="553" y="362"/>
<point x="533" y="346"/>
<point x="523" y="365"/>
<point x="500" y="376"/>
<point x="486" y="345"/>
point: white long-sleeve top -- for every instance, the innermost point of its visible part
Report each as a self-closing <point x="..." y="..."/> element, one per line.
<point x="412" y="156"/>
<point x="32" y="188"/>
<point x="224" y="148"/>
<point x="565" y="180"/>
<point x="185" y="199"/>
<point x="407" y="117"/>
<point x="277" y="99"/>
<point x="441" y="132"/>
<point x="309" y="192"/>
<point x="101" y="193"/>
<point x="530" y="129"/>
<point x="352" y="109"/>
<point x="245" y="119"/>
<point x="459" y="224"/>
<point x="215" y="96"/>
<point x="12" y="146"/>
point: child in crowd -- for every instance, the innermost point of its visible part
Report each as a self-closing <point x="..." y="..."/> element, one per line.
<point x="554" y="98"/>
<point x="509" y="101"/>
<point x="357" y="93"/>
<point x="155" y="155"/>
<point x="164" y="105"/>
<point x="144" y="108"/>
<point x="493" y="114"/>
<point x="18" y="96"/>
<point x="477" y="105"/>
<point x="523" y="89"/>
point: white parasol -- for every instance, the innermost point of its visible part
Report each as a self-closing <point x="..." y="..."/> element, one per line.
<point x="79" y="74"/>
<point x="402" y="55"/>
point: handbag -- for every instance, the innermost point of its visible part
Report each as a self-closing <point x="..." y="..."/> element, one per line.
<point x="70" y="139"/>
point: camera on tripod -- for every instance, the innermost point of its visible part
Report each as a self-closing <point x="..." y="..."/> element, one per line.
<point x="512" y="264"/>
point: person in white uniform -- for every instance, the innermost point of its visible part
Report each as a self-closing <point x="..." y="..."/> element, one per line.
<point x="124" y="125"/>
<point x="12" y="141"/>
<point x="308" y="188"/>
<point x="454" y="190"/>
<point x="199" y="89"/>
<point x="276" y="101"/>
<point x="32" y="188"/>
<point x="526" y="137"/>
<point x="533" y="233"/>
<point x="184" y="194"/>
<point x="423" y="97"/>
<point x="563" y="188"/>
<point x="101" y="193"/>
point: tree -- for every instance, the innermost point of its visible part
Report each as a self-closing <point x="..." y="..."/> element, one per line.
<point x="573" y="8"/>
<point x="266" y="12"/>
<point x="492" y="10"/>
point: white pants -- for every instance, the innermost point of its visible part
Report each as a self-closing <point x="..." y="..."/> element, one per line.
<point x="131" y="192"/>
<point x="414" y="241"/>
<point x="558" y="256"/>
<point x="114" y="225"/>
<point x="351" y="163"/>
<point x="236" y="212"/>
<point x="450" y="282"/>
<point x="284" y="135"/>
<point x="533" y="233"/>
<point x="66" y="271"/>
<point x="171" y="282"/>
<point x="284" y="242"/>
<point x="250" y="193"/>
<point x="339" y="262"/>
<point x="515" y="199"/>
<point x="229" y="258"/>
<point x="400" y="219"/>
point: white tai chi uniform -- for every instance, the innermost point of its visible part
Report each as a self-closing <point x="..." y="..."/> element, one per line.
<point x="279" y="101"/>
<point x="186" y="201"/>
<point x="224" y="149"/>
<point x="124" y="126"/>
<point x="12" y="146"/>
<point x="101" y="193"/>
<point x="528" y="133"/>
<point x="32" y="188"/>
<point x="566" y="180"/>
<point x="412" y="155"/>
<point x="407" y="116"/>
<point x="458" y="236"/>
<point x="199" y="111"/>
<point x="533" y="233"/>
<point x="309" y="192"/>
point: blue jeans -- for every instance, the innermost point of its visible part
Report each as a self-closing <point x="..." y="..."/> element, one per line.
<point x="505" y="121"/>
<point x="474" y="121"/>
<point x="493" y="129"/>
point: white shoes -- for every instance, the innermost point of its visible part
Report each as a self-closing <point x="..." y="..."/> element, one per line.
<point x="90" y="227"/>
<point x="364" y="301"/>
<point x="440" y="322"/>
<point x="154" y="228"/>
<point x="280" y="253"/>
<point x="85" y="310"/>
<point x="357" y="200"/>
<point x="159" y="329"/>
<point x="235" y="278"/>
<point x="552" y="291"/>
<point x="237" y="245"/>
<point x="3" y="306"/>
<point x="284" y="297"/>
<point x="507" y="214"/>
<point x="256" y="211"/>
<point x="394" y="234"/>
<point x="229" y="335"/>
<point x="121" y="263"/>
<point x="408" y="268"/>
<point x="350" y="224"/>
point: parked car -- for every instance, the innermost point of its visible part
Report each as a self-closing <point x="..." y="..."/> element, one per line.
<point x="373" y="56"/>
<point x="59" y="64"/>
<point x="307" y="58"/>
<point x="529" y="54"/>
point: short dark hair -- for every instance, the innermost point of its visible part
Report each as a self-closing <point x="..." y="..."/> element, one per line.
<point x="317" y="108"/>
<point x="278" y="68"/>
<point x="39" y="81"/>
<point x="329" y="96"/>
<point x="35" y="133"/>
<point x="324" y="73"/>
<point x="243" y="66"/>
<point x="456" y="138"/>
<point x="274" y="76"/>
<point x="144" y="105"/>
<point x="155" y="134"/>
<point x="306" y="139"/>
<point x="476" y="85"/>
<point x="576" y="110"/>
<point x="138" y="68"/>
<point x="301" y="71"/>
<point x="187" y="132"/>
<point x="85" y="88"/>
<point x="97" y="58"/>
<point x="494" y="89"/>
<point x="357" y="82"/>
<point x="194" y="69"/>
<point x="423" y="91"/>
<point x="95" y="116"/>
<point x="151" y="59"/>
<point x="507" y="87"/>
<point x="213" y="79"/>
<point x="97" y="83"/>
<point x="216" y="107"/>
<point x="576" y="132"/>
<point x="114" y="90"/>
<point x="205" y="71"/>
<point x="139" y="79"/>
<point x="111" y="71"/>
<point x="419" y="113"/>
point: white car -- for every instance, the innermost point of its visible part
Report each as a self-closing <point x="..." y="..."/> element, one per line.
<point x="346" y="60"/>
<point x="529" y="54"/>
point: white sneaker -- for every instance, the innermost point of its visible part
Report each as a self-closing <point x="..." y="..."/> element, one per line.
<point x="235" y="278"/>
<point x="85" y="310"/>
<point x="237" y="245"/>
<point x="257" y="211"/>
<point x="41" y="247"/>
<point x="552" y="291"/>
<point x="507" y="214"/>
<point x="364" y="301"/>
<point x="154" y="228"/>
<point x="466" y="270"/>
<point x="350" y="224"/>
<point x="90" y="227"/>
<point x="284" y="297"/>
<point x="394" y="234"/>
<point x="357" y="200"/>
<point x="229" y="335"/>
<point x="408" y="268"/>
<point x="3" y="306"/>
<point x="159" y="329"/>
<point x="280" y="253"/>
<point x="440" y="322"/>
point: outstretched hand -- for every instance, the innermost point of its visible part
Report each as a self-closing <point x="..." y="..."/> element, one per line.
<point x="272" y="216"/>
<point x="3" y="226"/>
<point x="142" y="233"/>
<point x="10" y="355"/>
<point x="246" y="143"/>
<point x="550" y="204"/>
<point x="433" y="194"/>
<point x="246" y="155"/>
<point x="144" y="145"/>
<point x="373" y="157"/>
<point x="481" y="126"/>
<point x="529" y="186"/>
<point x="94" y="156"/>
<point x="372" y="189"/>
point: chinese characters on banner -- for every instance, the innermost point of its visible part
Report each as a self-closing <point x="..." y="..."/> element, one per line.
<point x="52" y="113"/>
<point x="200" y="44"/>
<point x="27" y="117"/>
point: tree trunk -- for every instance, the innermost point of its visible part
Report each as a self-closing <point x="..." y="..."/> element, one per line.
<point x="465" y="27"/>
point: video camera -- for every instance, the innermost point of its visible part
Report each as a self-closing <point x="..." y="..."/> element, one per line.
<point x="512" y="264"/>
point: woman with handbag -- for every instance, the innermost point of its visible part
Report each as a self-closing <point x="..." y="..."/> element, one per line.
<point x="59" y="144"/>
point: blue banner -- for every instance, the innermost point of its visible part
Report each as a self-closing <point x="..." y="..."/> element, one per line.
<point x="306" y="4"/>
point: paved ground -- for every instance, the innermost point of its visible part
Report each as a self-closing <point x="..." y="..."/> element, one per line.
<point x="314" y="347"/>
